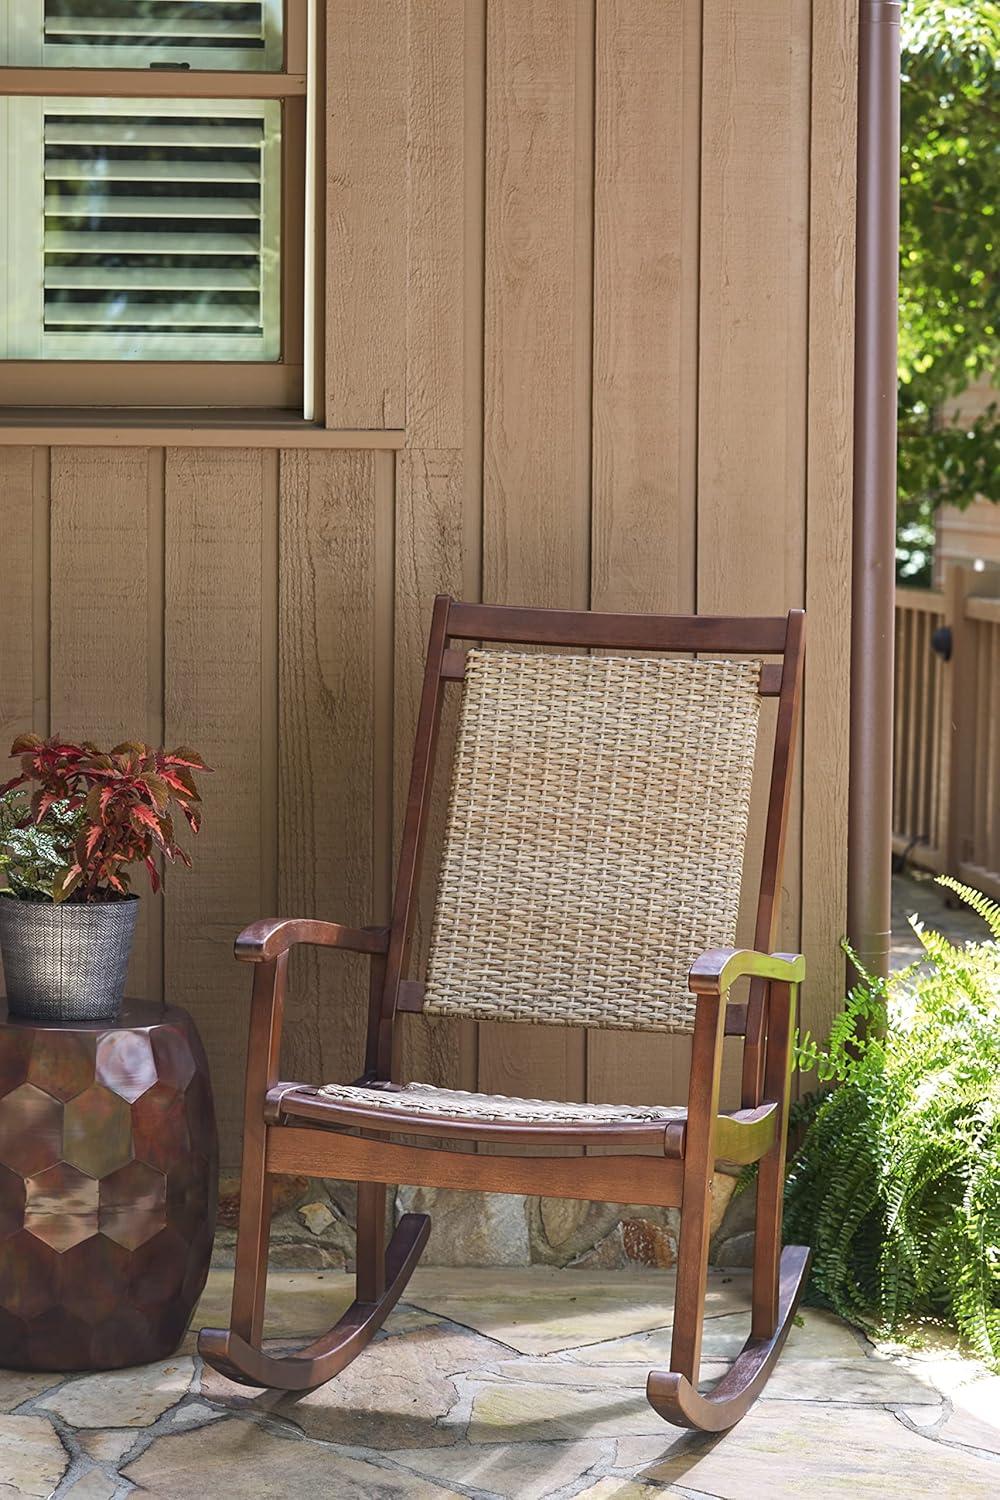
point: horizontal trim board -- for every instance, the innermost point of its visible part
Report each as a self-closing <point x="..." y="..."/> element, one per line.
<point x="482" y="622"/>
<point x="148" y="392"/>
<point x="610" y="1179"/>
<point x="137" y="83"/>
<point x="200" y="432"/>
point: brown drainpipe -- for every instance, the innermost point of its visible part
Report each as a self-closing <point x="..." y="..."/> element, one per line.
<point x="869" y="860"/>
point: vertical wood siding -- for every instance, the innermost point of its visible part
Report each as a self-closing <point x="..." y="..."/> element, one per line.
<point x="595" y="256"/>
<point x="217" y="698"/>
<point x="644" y="499"/>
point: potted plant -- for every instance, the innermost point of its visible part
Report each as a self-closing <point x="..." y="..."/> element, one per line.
<point x="67" y="915"/>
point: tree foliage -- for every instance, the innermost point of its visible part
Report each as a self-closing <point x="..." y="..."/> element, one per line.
<point x="950" y="202"/>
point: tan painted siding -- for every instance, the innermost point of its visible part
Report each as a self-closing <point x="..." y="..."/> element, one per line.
<point x="596" y="258"/>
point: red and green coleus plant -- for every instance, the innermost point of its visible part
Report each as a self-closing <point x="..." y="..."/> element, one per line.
<point x="100" y="812"/>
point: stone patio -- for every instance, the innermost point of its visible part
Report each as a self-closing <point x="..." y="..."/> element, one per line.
<point x="521" y="1383"/>
<point x="915" y="893"/>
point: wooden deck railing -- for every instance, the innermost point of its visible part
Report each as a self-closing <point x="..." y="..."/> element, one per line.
<point x="919" y="776"/>
<point x="946" y="765"/>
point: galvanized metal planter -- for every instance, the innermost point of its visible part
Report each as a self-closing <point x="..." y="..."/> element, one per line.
<point x="66" y="962"/>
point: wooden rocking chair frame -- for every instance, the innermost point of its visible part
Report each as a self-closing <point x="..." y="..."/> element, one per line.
<point x="284" y="1122"/>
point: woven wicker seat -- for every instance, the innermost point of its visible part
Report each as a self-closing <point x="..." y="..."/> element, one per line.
<point x="454" y="1104"/>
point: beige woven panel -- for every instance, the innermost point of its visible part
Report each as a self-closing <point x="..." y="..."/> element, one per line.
<point x="449" y="1104"/>
<point x="595" y="837"/>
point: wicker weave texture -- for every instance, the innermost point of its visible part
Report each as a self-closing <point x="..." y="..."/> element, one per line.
<point x="595" y="837"/>
<point x="449" y="1104"/>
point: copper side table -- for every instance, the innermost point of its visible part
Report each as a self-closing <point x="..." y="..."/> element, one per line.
<point x="108" y="1188"/>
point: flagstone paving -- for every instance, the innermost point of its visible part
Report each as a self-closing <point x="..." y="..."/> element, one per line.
<point x="516" y="1384"/>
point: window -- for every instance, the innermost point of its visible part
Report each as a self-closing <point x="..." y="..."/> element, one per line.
<point x="152" y="200"/>
<point x="156" y="232"/>
<point x="237" y="34"/>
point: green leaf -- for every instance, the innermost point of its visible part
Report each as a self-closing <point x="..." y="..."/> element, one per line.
<point x="896" y="1180"/>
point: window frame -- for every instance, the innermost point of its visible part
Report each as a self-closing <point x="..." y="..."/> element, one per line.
<point x="26" y="34"/>
<point x="139" y="386"/>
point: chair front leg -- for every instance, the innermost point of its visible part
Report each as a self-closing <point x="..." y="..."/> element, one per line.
<point x="696" y="1192"/>
<point x="253" y="1235"/>
<point x="779" y="1275"/>
<point x="781" y="1006"/>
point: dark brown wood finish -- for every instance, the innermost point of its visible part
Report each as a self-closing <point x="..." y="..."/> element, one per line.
<point x="371" y="1241"/>
<point x="738" y="1133"/>
<point x="267" y="1007"/>
<point x="414" y="832"/>
<point x="677" y="1400"/>
<point x="268" y="939"/>
<point x="750" y="636"/>
<point x="109" y="1163"/>
<point x="775" y="831"/>
<point x="696" y="1198"/>
<point x="294" y="1128"/>
<point x="320" y="1360"/>
<point x="323" y="1153"/>
<point x="782" y="1005"/>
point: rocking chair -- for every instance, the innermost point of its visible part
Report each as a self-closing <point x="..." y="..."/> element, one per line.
<point x="591" y="876"/>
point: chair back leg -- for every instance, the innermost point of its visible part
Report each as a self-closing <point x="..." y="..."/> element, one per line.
<point x="370" y="1252"/>
<point x="771" y="1171"/>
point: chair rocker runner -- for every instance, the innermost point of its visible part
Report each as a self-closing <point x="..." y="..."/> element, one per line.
<point x="591" y="875"/>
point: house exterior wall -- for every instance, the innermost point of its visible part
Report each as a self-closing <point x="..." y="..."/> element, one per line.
<point x="970" y="535"/>
<point x="966" y="536"/>
<point x="589" y="308"/>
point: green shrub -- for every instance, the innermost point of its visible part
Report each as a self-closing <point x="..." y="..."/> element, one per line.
<point x="896" y="1184"/>
<point x="33" y="855"/>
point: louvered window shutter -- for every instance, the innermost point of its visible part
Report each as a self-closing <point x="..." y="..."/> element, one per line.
<point x="153" y="233"/>
<point x="227" y="34"/>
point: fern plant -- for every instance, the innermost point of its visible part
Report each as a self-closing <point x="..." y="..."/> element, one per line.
<point x="896" y="1184"/>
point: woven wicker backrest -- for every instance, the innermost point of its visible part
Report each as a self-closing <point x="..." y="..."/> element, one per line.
<point x="595" y="837"/>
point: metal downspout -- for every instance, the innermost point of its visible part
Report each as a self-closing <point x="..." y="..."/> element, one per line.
<point x="869" y="861"/>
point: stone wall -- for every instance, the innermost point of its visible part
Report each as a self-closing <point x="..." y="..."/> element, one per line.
<point x="313" y="1227"/>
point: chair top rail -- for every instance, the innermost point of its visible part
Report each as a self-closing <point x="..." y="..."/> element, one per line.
<point x="513" y="625"/>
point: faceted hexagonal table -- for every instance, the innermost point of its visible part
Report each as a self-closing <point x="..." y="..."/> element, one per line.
<point x="108" y="1187"/>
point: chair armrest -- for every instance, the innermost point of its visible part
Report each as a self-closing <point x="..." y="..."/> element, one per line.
<point x="716" y="970"/>
<point x="266" y="939"/>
